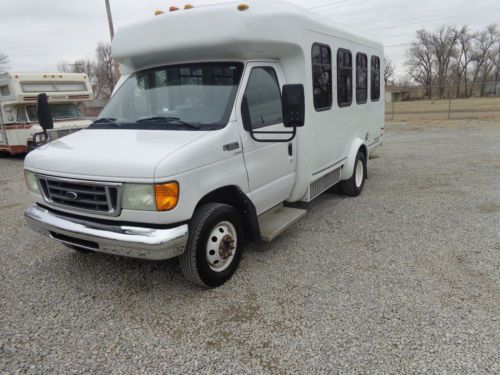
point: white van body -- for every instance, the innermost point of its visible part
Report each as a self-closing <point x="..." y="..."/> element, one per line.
<point x="18" y="98"/>
<point x="226" y="165"/>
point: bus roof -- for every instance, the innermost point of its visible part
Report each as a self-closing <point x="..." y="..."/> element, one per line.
<point x="265" y="30"/>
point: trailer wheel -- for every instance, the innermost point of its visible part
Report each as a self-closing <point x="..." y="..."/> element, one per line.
<point x="213" y="251"/>
<point x="354" y="186"/>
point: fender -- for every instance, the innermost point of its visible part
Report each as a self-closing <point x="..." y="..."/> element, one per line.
<point x="348" y="169"/>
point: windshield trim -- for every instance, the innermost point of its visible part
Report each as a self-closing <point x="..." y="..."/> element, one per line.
<point x="226" y="117"/>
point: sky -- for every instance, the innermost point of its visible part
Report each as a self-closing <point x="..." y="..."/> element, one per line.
<point x="38" y="34"/>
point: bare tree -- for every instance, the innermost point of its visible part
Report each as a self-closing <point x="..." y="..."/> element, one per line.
<point x="104" y="70"/>
<point x="484" y="54"/>
<point x="4" y="61"/>
<point x="388" y="71"/>
<point x="87" y="67"/>
<point x="421" y="61"/>
<point x="464" y="59"/>
<point x="444" y="42"/>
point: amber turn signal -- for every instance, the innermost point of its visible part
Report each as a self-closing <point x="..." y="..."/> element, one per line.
<point x="243" y="7"/>
<point x="166" y="196"/>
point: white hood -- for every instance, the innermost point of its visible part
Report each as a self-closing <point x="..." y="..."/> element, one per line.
<point x="109" y="154"/>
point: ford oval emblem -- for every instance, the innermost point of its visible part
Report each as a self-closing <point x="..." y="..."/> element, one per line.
<point x="71" y="195"/>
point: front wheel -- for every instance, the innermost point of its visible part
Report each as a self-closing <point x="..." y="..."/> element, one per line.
<point x="213" y="251"/>
<point x="354" y="186"/>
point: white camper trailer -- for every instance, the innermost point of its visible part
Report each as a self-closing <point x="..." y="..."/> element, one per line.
<point x="18" y="98"/>
<point x="224" y="115"/>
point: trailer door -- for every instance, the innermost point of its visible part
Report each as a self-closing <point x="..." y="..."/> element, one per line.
<point x="270" y="166"/>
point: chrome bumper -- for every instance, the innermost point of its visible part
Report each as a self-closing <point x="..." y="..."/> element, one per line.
<point x="128" y="241"/>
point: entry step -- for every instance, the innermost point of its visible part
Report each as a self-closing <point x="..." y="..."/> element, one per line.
<point x="277" y="220"/>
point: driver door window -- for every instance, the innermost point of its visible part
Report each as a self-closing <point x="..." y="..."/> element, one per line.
<point x="263" y="97"/>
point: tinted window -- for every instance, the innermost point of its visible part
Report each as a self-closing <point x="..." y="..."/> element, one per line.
<point x="375" y="90"/>
<point x="322" y="76"/>
<point x="344" y="78"/>
<point x="263" y="98"/>
<point x="361" y="78"/>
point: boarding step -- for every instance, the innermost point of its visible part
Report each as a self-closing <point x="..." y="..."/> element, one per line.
<point x="277" y="220"/>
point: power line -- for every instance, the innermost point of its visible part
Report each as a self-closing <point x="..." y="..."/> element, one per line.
<point x="430" y="20"/>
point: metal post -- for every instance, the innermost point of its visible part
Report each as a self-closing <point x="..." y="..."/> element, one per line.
<point x="449" y="102"/>
<point x="112" y="34"/>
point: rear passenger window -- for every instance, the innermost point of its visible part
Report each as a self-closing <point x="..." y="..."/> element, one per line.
<point x="361" y="78"/>
<point x="344" y="78"/>
<point x="375" y="70"/>
<point x="322" y="76"/>
<point x="263" y="98"/>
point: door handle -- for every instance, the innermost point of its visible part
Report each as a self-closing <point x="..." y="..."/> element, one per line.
<point x="290" y="149"/>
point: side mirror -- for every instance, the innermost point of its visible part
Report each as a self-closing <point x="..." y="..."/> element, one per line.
<point x="43" y="112"/>
<point x="293" y="104"/>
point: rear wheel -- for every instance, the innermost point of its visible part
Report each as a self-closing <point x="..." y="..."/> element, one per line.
<point x="354" y="186"/>
<point x="213" y="251"/>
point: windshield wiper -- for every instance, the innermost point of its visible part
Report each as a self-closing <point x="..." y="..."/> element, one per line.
<point x="168" y="120"/>
<point x="105" y="122"/>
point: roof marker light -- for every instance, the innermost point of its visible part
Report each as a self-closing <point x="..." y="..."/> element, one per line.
<point x="243" y="7"/>
<point x="188" y="6"/>
<point x="173" y="9"/>
<point x="158" y="12"/>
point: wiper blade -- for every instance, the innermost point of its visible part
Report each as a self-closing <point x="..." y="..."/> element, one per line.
<point x="168" y="120"/>
<point x="105" y="122"/>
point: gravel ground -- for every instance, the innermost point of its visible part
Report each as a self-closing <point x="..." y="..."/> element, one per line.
<point x="403" y="279"/>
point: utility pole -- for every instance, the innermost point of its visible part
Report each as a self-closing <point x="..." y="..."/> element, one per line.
<point x="112" y="34"/>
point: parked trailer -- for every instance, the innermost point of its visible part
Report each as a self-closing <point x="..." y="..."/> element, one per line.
<point x="18" y="98"/>
<point x="210" y="135"/>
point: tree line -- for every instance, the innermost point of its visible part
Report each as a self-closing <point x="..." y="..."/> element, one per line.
<point x="100" y="70"/>
<point x="455" y="57"/>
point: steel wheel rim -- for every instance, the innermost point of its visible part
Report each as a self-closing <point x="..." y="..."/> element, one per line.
<point x="359" y="173"/>
<point x="221" y="246"/>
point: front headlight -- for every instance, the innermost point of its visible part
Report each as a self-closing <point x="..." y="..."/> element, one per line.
<point x="31" y="182"/>
<point x="138" y="197"/>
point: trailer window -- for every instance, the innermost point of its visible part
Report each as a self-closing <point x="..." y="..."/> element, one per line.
<point x="344" y="77"/>
<point x="21" y="114"/>
<point x="361" y="78"/>
<point x="322" y="76"/>
<point x="263" y="97"/>
<point x="59" y="111"/>
<point x="4" y="90"/>
<point x="375" y="70"/>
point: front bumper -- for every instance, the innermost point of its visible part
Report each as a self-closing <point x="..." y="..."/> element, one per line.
<point x="128" y="241"/>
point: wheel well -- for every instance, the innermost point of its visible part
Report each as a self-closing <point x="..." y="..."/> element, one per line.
<point x="364" y="150"/>
<point x="233" y="196"/>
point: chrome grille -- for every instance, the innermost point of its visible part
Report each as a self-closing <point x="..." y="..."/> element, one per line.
<point x="80" y="195"/>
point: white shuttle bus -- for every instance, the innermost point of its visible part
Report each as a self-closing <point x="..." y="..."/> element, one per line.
<point x="18" y="99"/>
<point x="224" y="117"/>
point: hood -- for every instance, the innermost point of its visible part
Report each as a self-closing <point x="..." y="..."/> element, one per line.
<point x="109" y="154"/>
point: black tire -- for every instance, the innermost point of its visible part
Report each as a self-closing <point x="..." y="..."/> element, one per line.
<point x="79" y="249"/>
<point x="352" y="187"/>
<point x="194" y="261"/>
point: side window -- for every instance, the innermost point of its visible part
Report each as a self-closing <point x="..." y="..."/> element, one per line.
<point x="375" y="69"/>
<point x="322" y="76"/>
<point x="361" y="78"/>
<point x="344" y="78"/>
<point x="21" y="114"/>
<point x="263" y="97"/>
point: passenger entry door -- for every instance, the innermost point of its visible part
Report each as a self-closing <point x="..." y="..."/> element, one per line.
<point x="270" y="165"/>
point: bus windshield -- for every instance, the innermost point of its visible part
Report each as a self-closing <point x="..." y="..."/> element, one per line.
<point x="181" y="97"/>
<point x="60" y="111"/>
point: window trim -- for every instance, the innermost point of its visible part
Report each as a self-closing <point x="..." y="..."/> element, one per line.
<point x="346" y="104"/>
<point x="357" y="78"/>
<point x="279" y="90"/>
<point x="322" y="109"/>
<point x="379" y="79"/>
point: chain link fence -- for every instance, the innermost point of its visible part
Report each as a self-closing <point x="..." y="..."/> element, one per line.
<point x="455" y="101"/>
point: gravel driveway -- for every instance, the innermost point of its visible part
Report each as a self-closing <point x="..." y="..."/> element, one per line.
<point x="403" y="279"/>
